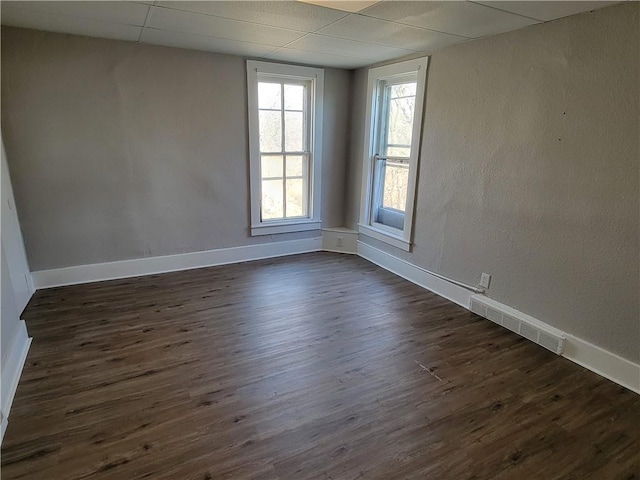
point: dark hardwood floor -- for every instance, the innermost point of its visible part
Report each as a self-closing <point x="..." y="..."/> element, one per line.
<point x="316" y="366"/>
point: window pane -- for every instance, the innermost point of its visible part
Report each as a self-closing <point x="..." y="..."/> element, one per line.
<point x="403" y="90"/>
<point x="396" y="178"/>
<point x="398" y="151"/>
<point x="293" y="140"/>
<point x="271" y="166"/>
<point x="400" y="121"/>
<point x="272" y="200"/>
<point x="294" y="166"/>
<point x="269" y="95"/>
<point x="293" y="97"/>
<point x="270" y="131"/>
<point x="295" y="199"/>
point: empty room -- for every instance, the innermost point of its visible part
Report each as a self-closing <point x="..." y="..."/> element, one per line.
<point x="291" y="240"/>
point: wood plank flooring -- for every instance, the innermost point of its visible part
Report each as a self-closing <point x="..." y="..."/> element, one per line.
<point x="316" y="366"/>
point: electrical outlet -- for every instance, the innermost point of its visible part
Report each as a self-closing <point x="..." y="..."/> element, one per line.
<point x="340" y="242"/>
<point x="485" y="280"/>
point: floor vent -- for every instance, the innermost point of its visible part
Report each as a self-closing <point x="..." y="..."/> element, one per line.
<point x="518" y="322"/>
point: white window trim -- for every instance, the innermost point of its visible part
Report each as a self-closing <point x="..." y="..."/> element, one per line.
<point x="366" y="226"/>
<point x="313" y="220"/>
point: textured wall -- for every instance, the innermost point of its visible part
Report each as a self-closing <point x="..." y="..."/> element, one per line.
<point x="119" y="150"/>
<point x="529" y="171"/>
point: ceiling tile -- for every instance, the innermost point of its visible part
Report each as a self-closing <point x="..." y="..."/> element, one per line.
<point x="352" y="6"/>
<point x="373" y="30"/>
<point x="349" y="48"/>
<point x="292" y="15"/>
<point x="547" y="10"/>
<point x="128" y="13"/>
<point x="459" y="18"/>
<point x="203" y="42"/>
<point x="49" y="22"/>
<point x="185" y="22"/>
<point x="317" y="59"/>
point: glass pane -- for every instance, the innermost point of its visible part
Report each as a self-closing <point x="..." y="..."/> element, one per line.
<point x="293" y="140"/>
<point x="295" y="199"/>
<point x="271" y="166"/>
<point x="270" y="131"/>
<point x="272" y="200"/>
<point x="400" y="121"/>
<point x="398" y="151"/>
<point x="293" y="97"/>
<point x="403" y="90"/>
<point x="294" y="166"/>
<point x="269" y="95"/>
<point x="396" y="178"/>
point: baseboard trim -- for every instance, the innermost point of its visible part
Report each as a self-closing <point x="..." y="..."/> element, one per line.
<point x="606" y="364"/>
<point x="600" y="361"/>
<point x="98" y="272"/>
<point x="12" y="371"/>
<point x="340" y="240"/>
<point x="416" y="275"/>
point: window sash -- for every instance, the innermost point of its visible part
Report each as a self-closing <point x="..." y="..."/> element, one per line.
<point x="305" y="153"/>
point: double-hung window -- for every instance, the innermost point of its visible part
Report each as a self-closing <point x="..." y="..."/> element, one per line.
<point x="285" y="118"/>
<point x="395" y="98"/>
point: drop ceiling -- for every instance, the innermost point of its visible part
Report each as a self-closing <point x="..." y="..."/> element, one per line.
<point x="345" y="36"/>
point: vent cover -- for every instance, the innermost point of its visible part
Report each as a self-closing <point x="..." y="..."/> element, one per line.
<point x="518" y="322"/>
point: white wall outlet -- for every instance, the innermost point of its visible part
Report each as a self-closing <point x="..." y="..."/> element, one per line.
<point x="340" y="242"/>
<point x="485" y="280"/>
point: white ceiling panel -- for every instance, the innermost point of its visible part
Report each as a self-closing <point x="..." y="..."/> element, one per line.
<point x="186" y="22"/>
<point x="203" y="42"/>
<point x="317" y="59"/>
<point x="373" y="30"/>
<point x="127" y="13"/>
<point x="50" y="22"/>
<point x="292" y="15"/>
<point x="460" y="18"/>
<point x="350" y="48"/>
<point x="546" y="11"/>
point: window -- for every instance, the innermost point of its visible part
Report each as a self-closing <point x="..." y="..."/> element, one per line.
<point x="395" y="97"/>
<point x="285" y="119"/>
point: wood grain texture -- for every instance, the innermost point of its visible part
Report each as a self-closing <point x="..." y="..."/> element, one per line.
<point x="316" y="366"/>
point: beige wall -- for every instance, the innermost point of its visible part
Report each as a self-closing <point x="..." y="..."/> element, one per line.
<point x="120" y="150"/>
<point x="530" y="172"/>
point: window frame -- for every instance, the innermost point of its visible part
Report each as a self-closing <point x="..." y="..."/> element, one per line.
<point x="373" y="135"/>
<point x="283" y="72"/>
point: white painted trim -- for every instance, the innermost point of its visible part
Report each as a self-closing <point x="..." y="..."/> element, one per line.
<point x="377" y="75"/>
<point x="416" y="275"/>
<point x="609" y="365"/>
<point x="285" y="227"/>
<point x="185" y="261"/>
<point x="315" y="77"/>
<point x="385" y="237"/>
<point x="340" y="240"/>
<point x="12" y="371"/>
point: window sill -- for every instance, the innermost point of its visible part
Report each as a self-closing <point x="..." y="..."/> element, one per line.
<point x="384" y="236"/>
<point x="270" y="228"/>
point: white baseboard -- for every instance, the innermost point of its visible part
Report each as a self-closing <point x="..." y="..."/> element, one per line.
<point x="606" y="364"/>
<point x="147" y="266"/>
<point x="416" y="275"/>
<point x="594" y="358"/>
<point x="340" y="240"/>
<point x="12" y="370"/>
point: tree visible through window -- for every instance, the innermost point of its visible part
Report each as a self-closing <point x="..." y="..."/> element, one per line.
<point x="284" y="157"/>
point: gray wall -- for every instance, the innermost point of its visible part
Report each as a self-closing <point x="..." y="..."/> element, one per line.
<point x="120" y="150"/>
<point x="529" y="171"/>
